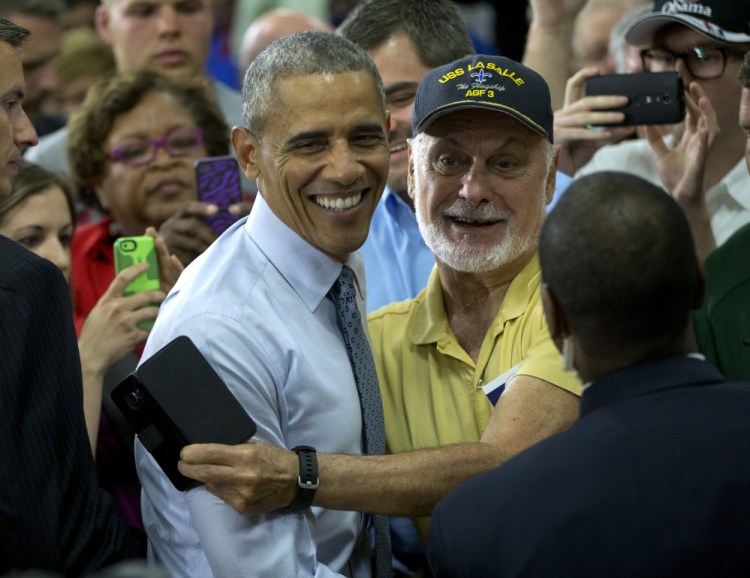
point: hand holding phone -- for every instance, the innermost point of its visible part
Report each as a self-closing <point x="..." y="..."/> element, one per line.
<point x="218" y="183"/>
<point x="131" y="250"/>
<point x="653" y="97"/>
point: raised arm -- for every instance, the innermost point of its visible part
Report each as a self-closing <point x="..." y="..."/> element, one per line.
<point x="549" y="47"/>
<point x="108" y="334"/>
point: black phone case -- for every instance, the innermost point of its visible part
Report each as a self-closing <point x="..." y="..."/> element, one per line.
<point x="655" y="97"/>
<point x="175" y="398"/>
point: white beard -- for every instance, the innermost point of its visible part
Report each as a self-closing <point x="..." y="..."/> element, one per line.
<point x="465" y="255"/>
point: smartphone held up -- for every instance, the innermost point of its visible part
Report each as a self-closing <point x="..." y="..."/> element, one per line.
<point x="130" y="251"/>
<point x="653" y="97"/>
<point x="218" y="183"/>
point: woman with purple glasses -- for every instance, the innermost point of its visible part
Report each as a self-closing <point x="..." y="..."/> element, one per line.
<point x="131" y="149"/>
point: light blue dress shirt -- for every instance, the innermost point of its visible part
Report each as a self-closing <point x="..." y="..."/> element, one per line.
<point x="255" y="305"/>
<point x="397" y="261"/>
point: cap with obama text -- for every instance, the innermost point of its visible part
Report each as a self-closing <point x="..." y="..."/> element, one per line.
<point x="484" y="81"/>
<point x="722" y="20"/>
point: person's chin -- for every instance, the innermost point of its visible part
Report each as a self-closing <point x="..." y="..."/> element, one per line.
<point x="182" y="69"/>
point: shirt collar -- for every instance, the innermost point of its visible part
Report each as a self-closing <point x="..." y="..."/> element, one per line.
<point x="677" y="371"/>
<point x="430" y="320"/>
<point x="393" y="202"/>
<point x="309" y="271"/>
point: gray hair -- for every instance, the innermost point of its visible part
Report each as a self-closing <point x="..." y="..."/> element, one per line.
<point x="12" y="33"/>
<point x="300" y="54"/>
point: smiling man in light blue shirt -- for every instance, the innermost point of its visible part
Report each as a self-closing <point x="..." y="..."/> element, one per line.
<point x="256" y="305"/>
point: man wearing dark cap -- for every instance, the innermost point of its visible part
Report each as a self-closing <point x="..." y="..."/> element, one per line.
<point x="653" y="479"/>
<point x="705" y="42"/>
<point x="481" y="172"/>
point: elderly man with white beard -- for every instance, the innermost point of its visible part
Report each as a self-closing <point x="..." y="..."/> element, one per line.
<point x="468" y="372"/>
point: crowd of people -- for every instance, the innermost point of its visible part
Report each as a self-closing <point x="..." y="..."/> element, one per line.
<point x="484" y="327"/>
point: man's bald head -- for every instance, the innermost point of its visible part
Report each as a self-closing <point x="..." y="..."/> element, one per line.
<point x="617" y="254"/>
<point x="273" y="25"/>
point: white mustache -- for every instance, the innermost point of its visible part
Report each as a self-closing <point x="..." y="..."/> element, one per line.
<point x="466" y="211"/>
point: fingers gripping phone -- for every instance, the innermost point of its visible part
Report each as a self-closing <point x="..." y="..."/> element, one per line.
<point x="175" y="398"/>
<point x="218" y="183"/>
<point x="654" y="97"/>
<point x="130" y="251"/>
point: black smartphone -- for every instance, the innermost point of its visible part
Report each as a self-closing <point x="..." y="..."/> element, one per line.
<point x="655" y="97"/>
<point x="175" y="398"/>
<point x="131" y="250"/>
<point x="218" y="183"/>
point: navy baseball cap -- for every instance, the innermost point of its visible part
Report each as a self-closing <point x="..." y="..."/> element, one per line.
<point x="484" y="81"/>
<point x="722" y="20"/>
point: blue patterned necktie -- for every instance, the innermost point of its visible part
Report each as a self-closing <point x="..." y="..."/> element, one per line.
<point x="363" y="366"/>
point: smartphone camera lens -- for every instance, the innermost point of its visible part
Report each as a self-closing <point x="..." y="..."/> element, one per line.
<point x="666" y="99"/>
<point x="128" y="245"/>
<point x="134" y="399"/>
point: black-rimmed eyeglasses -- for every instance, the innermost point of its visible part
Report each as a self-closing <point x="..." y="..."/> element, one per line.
<point x="702" y="62"/>
<point x="177" y="143"/>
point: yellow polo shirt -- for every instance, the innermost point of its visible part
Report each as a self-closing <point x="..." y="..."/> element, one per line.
<point x="431" y="388"/>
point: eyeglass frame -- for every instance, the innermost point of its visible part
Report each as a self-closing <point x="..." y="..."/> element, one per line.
<point x="156" y="144"/>
<point x="725" y="53"/>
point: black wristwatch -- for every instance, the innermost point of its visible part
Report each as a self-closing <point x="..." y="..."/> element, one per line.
<point x="307" y="480"/>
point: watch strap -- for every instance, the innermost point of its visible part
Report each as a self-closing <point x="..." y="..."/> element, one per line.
<point x="307" y="481"/>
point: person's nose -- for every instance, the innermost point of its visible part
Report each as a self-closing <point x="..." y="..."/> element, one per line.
<point x="53" y="250"/>
<point x="344" y="165"/>
<point x="24" y="133"/>
<point x="162" y="155"/>
<point x="168" y="21"/>
<point x="682" y="68"/>
<point x="475" y="185"/>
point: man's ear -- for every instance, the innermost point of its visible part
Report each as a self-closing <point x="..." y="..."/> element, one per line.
<point x="552" y="176"/>
<point x="101" y="20"/>
<point x="409" y="170"/>
<point x="246" y="149"/>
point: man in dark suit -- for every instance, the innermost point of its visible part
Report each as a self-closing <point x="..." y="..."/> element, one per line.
<point x="654" y="477"/>
<point x="52" y="514"/>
